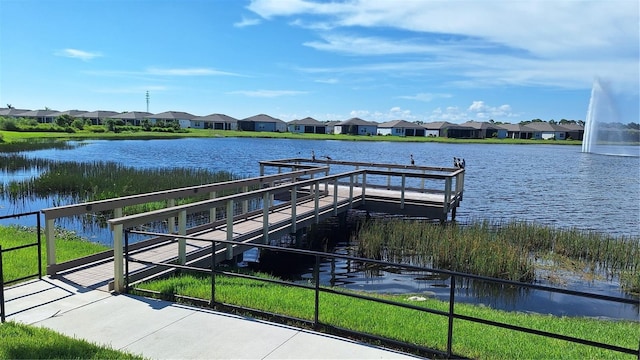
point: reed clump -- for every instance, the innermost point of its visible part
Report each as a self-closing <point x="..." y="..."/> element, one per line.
<point x="506" y="250"/>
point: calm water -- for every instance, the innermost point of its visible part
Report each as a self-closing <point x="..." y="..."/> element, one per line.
<point x="551" y="185"/>
<point x="554" y="185"/>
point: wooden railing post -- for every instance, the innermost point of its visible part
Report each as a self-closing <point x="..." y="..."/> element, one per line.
<point x="171" y="222"/>
<point x="294" y="203"/>
<point x="118" y="259"/>
<point x="265" y="217"/>
<point x="50" y="237"/>
<point x="335" y="197"/>
<point x="212" y="211"/>
<point x="316" y="202"/>
<point x="182" y="242"/>
<point x="402" y="191"/>
<point x="245" y="203"/>
<point x="229" y="229"/>
<point x="351" y="191"/>
<point x="447" y="196"/>
<point x="364" y="186"/>
<point x="389" y="179"/>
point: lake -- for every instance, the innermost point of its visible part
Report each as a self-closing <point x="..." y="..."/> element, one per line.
<point x="549" y="184"/>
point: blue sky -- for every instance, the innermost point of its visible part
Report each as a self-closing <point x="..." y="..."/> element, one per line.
<point x="332" y="60"/>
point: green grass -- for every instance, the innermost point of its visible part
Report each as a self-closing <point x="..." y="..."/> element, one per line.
<point x="23" y="262"/>
<point x="416" y="327"/>
<point x="11" y="136"/>
<point x="18" y="341"/>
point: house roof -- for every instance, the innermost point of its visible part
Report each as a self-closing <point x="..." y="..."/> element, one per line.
<point x="400" y="124"/>
<point x="544" y="126"/>
<point x="72" y="112"/>
<point x="358" y="122"/>
<point x="263" y="118"/>
<point x="132" y="115"/>
<point x="12" y="112"/>
<point x="220" y="118"/>
<point x="98" y="114"/>
<point x="438" y="125"/>
<point x="516" y="127"/>
<point x="39" y="113"/>
<point x="480" y="125"/>
<point x="172" y="115"/>
<point x="572" y="127"/>
<point x="307" y="121"/>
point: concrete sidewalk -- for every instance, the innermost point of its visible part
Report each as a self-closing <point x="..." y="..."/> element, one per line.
<point x="159" y="329"/>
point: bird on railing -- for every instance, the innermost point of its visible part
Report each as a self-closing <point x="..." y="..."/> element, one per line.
<point x="461" y="163"/>
<point x="327" y="157"/>
<point x="455" y="162"/>
<point x="313" y="155"/>
<point x="413" y="162"/>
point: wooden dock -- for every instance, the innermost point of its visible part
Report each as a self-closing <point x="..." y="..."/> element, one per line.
<point x="289" y="195"/>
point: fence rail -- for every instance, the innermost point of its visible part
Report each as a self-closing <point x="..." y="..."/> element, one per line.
<point x="451" y="314"/>
<point x="37" y="244"/>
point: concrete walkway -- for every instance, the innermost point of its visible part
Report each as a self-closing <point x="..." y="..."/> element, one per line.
<point x="159" y="329"/>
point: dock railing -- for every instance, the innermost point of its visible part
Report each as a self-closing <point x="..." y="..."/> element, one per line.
<point x="116" y="205"/>
<point x="314" y="285"/>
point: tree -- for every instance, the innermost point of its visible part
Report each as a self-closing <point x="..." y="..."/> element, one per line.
<point x="64" y="120"/>
<point x="9" y="106"/>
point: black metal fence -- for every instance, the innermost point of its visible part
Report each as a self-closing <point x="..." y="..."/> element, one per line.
<point x="451" y="314"/>
<point x="37" y="244"/>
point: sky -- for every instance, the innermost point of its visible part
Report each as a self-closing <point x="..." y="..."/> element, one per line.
<point x="379" y="60"/>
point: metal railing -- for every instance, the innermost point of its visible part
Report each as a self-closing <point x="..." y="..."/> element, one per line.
<point x="37" y="244"/>
<point x="451" y="314"/>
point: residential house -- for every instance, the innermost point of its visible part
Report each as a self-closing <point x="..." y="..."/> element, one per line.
<point x="518" y="131"/>
<point x="544" y="130"/>
<point x="486" y="129"/>
<point x="72" y="113"/>
<point x="132" y="117"/>
<point x="356" y="126"/>
<point x="182" y="118"/>
<point x="449" y="130"/>
<point x="307" y="125"/>
<point x="97" y="117"/>
<point x="215" y="122"/>
<point x="262" y="122"/>
<point x="42" y="116"/>
<point x="401" y="128"/>
<point x="573" y="131"/>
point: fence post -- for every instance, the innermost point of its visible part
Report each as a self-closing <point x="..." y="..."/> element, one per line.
<point x="39" y="237"/>
<point x="316" y="202"/>
<point x="335" y="197"/>
<point x="265" y="217"/>
<point x="50" y="237"/>
<point x="230" y="229"/>
<point x="404" y="179"/>
<point x="316" y="275"/>
<point x="364" y="186"/>
<point x="118" y="278"/>
<point x="294" y="203"/>
<point x="451" y="309"/>
<point x="182" y="242"/>
<point x="447" y="197"/>
<point x="212" y="211"/>
<point x="2" y="317"/>
<point x="172" y="220"/>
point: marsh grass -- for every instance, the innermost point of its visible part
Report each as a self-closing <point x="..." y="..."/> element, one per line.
<point x="506" y="250"/>
<point x="413" y="326"/>
<point x="78" y="181"/>
<point x="19" y="341"/>
<point x="24" y="262"/>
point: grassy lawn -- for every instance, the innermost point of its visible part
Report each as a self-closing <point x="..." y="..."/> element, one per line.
<point x="18" y="341"/>
<point x="417" y="327"/>
<point x="23" y="262"/>
<point x="10" y="136"/>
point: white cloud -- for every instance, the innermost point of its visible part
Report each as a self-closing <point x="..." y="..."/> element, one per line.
<point x="524" y="43"/>
<point x="267" y="93"/>
<point x="78" y="54"/>
<point x="327" y="81"/>
<point x="247" y="22"/>
<point x="480" y="111"/>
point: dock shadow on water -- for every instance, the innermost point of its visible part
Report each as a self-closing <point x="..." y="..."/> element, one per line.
<point x="354" y="275"/>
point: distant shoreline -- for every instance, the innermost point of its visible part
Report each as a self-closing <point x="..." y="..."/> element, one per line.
<point x="11" y="136"/>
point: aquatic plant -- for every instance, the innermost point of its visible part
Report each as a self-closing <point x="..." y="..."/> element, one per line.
<point x="506" y="250"/>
